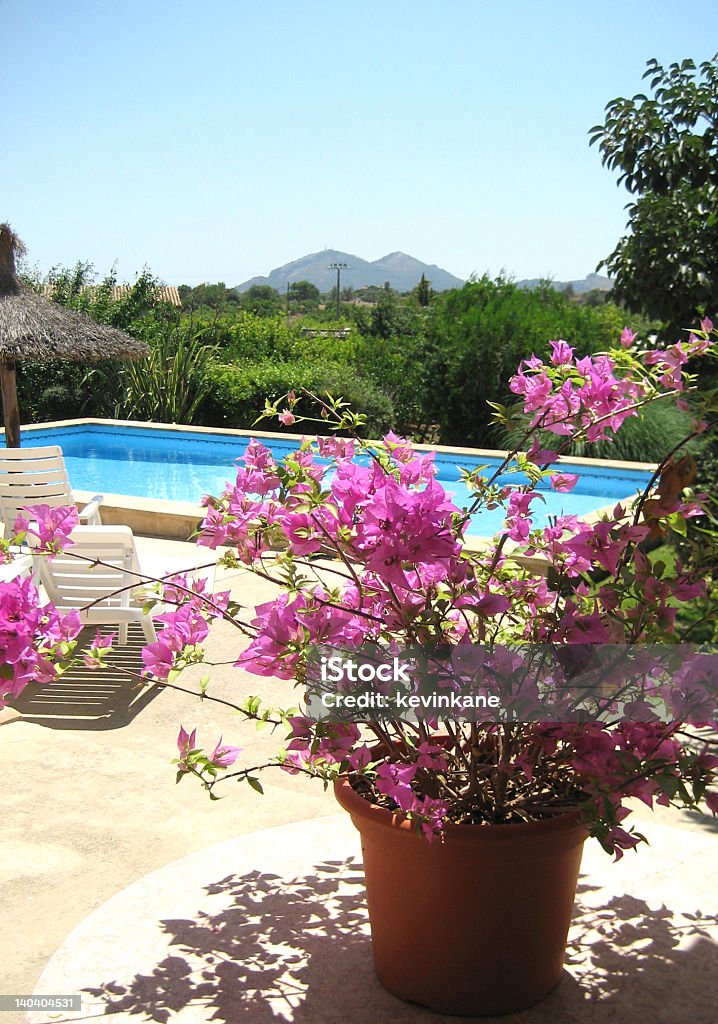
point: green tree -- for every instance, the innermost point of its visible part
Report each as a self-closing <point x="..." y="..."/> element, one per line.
<point x="61" y="390"/>
<point x="665" y="147"/>
<point x="390" y="316"/>
<point x="303" y="297"/>
<point x="478" y="334"/>
<point x="423" y="292"/>
<point x="262" y="299"/>
<point x="594" y="297"/>
<point x="216" y="296"/>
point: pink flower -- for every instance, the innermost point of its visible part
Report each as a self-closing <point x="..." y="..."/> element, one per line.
<point x="21" y="524"/>
<point x="360" y="757"/>
<point x="258" y="456"/>
<point x="518" y="516"/>
<point x="597" y="544"/>
<point x="51" y="526"/>
<point x="287" y="418"/>
<point x="101" y="645"/>
<point x="432" y="756"/>
<point x="185" y="627"/>
<point x="432" y="815"/>
<point x="621" y="840"/>
<point x="561" y="353"/>
<point x="304" y="533"/>
<point x="186" y="743"/>
<point x="628" y="337"/>
<point x="32" y="637"/>
<point x="158" y="659"/>
<point x="224" y="756"/>
<point x="563" y="482"/>
<point x="540" y="456"/>
<point x="394" y="781"/>
<point x="399" y="525"/>
<point x="671" y="360"/>
<point x="339" y="447"/>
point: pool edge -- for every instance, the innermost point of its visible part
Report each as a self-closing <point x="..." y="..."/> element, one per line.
<point x="288" y="436"/>
<point x="149" y="517"/>
<point x="178" y="520"/>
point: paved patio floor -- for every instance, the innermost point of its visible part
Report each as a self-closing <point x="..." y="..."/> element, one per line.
<point x="159" y="904"/>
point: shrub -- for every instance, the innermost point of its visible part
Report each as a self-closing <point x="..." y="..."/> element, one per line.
<point x="167" y="387"/>
<point x="479" y="333"/>
<point x="399" y="366"/>
<point x="53" y="391"/>
<point x="237" y="392"/>
<point x="247" y="336"/>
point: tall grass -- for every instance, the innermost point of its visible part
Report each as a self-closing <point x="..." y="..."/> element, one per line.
<point x="656" y="429"/>
<point x="644" y="438"/>
<point x="168" y="386"/>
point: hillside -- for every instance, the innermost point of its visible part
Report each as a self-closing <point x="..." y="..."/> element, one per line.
<point x="401" y="271"/>
<point x="589" y="283"/>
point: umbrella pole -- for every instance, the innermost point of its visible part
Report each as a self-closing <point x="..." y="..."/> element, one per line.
<point x="11" y="414"/>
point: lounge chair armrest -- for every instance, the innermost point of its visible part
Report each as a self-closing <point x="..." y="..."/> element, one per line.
<point x="90" y="513"/>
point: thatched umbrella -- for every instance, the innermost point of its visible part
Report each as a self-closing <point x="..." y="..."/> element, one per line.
<point x="32" y="327"/>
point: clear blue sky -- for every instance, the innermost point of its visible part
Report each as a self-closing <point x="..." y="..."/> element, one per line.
<point x="217" y="140"/>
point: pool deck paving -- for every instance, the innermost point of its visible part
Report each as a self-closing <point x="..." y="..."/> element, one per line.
<point x="157" y="904"/>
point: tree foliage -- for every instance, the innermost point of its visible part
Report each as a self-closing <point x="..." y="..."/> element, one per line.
<point x="423" y="292"/>
<point x="477" y="335"/>
<point x="303" y="297"/>
<point x="261" y="299"/>
<point x="665" y="148"/>
<point x="216" y="296"/>
<point x="425" y="371"/>
<point x="61" y="389"/>
<point x="238" y="392"/>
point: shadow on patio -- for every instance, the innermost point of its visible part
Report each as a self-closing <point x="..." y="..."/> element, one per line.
<point x="90" y="699"/>
<point x="264" y="948"/>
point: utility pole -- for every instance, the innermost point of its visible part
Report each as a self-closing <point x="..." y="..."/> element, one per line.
<point x="338" y="267"/>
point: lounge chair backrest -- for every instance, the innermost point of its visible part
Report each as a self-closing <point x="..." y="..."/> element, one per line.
<point x="32" y="476"/>
<point x="74" y="578"/>
<point x="103" y="593"/>
<point x="37" y="476"/>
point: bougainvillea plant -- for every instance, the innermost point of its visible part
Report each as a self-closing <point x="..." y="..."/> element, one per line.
<point x="366" y="548"/>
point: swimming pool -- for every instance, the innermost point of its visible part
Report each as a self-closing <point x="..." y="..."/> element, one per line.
<point x="180" y="464"/>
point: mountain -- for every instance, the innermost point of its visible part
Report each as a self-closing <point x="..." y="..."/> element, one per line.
<point x="401" y="271"/>
<point x="589" y="283"/>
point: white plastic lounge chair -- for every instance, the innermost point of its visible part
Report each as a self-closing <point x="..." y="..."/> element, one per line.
<point x="37" y="476"/>
<point x="112" y="593"/>
<point x="21" y="565"/>
<point x="104" y="593"/>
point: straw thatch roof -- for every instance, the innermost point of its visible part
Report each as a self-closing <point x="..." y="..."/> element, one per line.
<point x="163" y="292"/>
<point x="32" y="327"/>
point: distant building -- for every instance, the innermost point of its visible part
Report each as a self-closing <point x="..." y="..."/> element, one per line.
<point x="313" y="332"/>
<point x="165" y="293"/>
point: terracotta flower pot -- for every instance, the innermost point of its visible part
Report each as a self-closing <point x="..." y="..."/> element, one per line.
<point x="476" y="924"/>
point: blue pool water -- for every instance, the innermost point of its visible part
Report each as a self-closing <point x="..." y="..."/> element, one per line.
<point x="180" y="465"/>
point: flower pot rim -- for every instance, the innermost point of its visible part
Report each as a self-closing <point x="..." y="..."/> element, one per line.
<point x="355" y="804"/>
